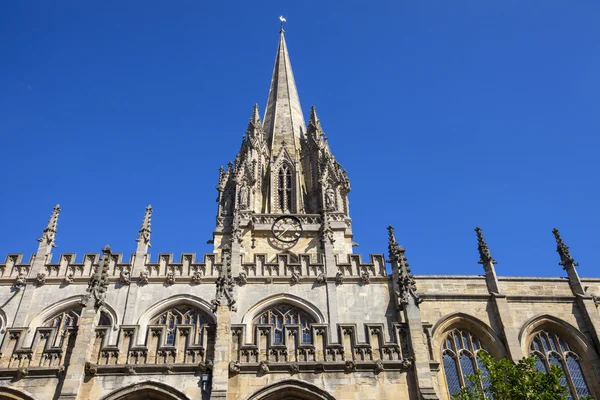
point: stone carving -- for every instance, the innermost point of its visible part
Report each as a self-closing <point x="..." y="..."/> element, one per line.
<point x="90" y="369"/>
<point x="125" y="276"/>
<point x="20" y="281"/>
<point x="22" y="372"/>
<point x="49" y="234"/>
<point x="144" y="277"/>
<point x="69" y="278"/>
<point x="197" y="278"/>
<point x="243" y="196"/>
<point x="269" y="280"/>
<point x="330" y="198"/>
<point x="406" y="281"/>
<point x="145" y="231"/>
<point x="350" y="366"/>
<point x="566" y="260"/>
<point x="295" y="278"/>
<point x="378" y="366"/>
<point x="40" y="279"/>
<point x="365" y="277"/>
<point x="224" y="284"/>
<point x="485" y="256"/>
<point x="242" y="278"/>
<point x="339" y="278"/>
<point x="234" y="367"/>
<point x="263" y="367"/>
<point x="98" y="283"/>
<point x="321" y="278"/>
<point x="294" y="368"/>
<point x="170" y="278"/>
<point x="129" y="370"/>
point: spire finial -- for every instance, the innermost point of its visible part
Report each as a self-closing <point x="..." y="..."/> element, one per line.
<point x="49" y="233"/>
<point x="563" y="251"/>
<point x="407" y="287"/>
<point x="282" y="20"/>
<point x="145" y="231"/>
<point x="485" y="256"/>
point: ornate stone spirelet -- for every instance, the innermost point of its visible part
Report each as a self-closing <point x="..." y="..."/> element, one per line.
<point x="563" y="251"/>
<point x="145" y="231"/>
<point x="485" y="256"/>
<point x="406" y="281"/>
<point x="49" y="234"/>
<point x="225" y="283"/>
<point x="98" y="283"/>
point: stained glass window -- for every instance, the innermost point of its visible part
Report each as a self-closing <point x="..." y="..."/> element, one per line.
<point x="460" y="355"/>
<point x="63" y="322"/>
<point x="550" y="349"/>
<point x="182" y="316"/>
<point x="282" y="315"/>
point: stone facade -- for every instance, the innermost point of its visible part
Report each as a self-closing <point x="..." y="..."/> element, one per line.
<point x="282" y="309"/>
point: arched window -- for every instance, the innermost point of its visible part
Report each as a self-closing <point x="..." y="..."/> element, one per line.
<point x="461" y="358"/>
<point x="550" y="349"/>
<point x="284" y="314"/>
<point x="285" y="189"/>
<point x="182" y="316"/>
<point x="64" y="322"/>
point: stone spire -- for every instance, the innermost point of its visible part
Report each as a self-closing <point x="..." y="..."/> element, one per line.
<point x="566" y="260"/>
<point x="145" y="231"/>
<point x="283" y="121"/>
<point x="485" y="256"/>
<point x="406" y="281"/>
<point x="486" y="259"/>
<point x="50" y="232"/>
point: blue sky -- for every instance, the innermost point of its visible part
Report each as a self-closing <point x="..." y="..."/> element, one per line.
<point x="446" y="115"/>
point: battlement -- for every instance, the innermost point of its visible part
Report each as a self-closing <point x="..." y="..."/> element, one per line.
<point x="283" y="267"/>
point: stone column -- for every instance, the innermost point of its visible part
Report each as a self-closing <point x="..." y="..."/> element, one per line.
<point x="38" y="268"/>
<point x="501" y="308"/>
<point x="84" y="344"/>
<point x="330" y="275"/>
<point x="585" y="302"/>
<point x="139" y="265"/>
<point x="222" y="354"/>
<point x="407" y="301"/>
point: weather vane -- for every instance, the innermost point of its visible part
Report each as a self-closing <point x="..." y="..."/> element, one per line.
<point x="282" y="21"/>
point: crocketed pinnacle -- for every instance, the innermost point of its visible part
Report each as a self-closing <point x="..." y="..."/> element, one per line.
<point x="563" y="251"/>
<point x="145" y="231"/>
<point x="484" y="251"/>
<point x="254" y="126"/>
<point x="283" y="121"/>
<point x="49" y="234"/>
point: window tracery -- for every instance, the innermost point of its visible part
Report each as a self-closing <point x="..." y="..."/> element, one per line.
<point x="285" y="186"/>
<point x="551" y="349"/>
<point x="182" y="316"/>
<point x="64" y="322"/>
<point x="282" y="315"/>
<point x="461" y="357"/>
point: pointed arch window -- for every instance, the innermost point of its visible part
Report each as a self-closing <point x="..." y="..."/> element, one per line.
<point x="183" y="316"/>
<point x="285" y="192"/>
<point x="461" y="356"/>
<point x="549" y="348"/>
<point x="285" y="315"/>
<point x="64" y="322"/>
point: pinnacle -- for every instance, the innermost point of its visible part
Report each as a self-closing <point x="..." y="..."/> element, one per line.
<point x="283" y="114"/>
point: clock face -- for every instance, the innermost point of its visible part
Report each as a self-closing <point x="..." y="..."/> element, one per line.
<point x="287" y="229"/>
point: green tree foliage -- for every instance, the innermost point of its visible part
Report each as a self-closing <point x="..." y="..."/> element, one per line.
<point x="506" y="380"/>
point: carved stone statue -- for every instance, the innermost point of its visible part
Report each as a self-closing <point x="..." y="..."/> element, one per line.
<point x="243" y="196"/>
<point x="329" y="198"/>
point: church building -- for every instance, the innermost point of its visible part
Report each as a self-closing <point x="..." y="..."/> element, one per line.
<point x="282" y="308"/>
